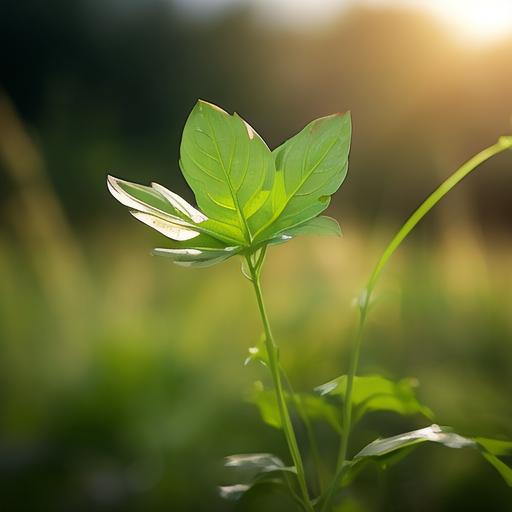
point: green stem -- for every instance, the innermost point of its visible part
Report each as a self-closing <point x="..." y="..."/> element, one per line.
<point x="347" y="405"/>
<point x="503" y="144"/>
<point x="273" y="358"/>
<point x="309" y="431"/>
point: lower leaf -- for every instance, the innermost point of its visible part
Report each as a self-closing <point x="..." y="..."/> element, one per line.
<point x="197" y="257"/>
<point x="488" y="448"/>
<point x="253" y="469"/>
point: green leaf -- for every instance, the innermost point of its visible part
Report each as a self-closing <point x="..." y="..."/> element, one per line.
<point x="197" y="257"/>
<point x="353" y="467"/>
<point x="266" y="402"/>
<point x="233" y="492"/>
<point x="253" y="469"/>
<point x="229" y="168"/>
<point x="376" y="393"/>
<point x="244" y="201"/>
<point x="266" y="485"/>
<point x="313" y="406"/>
<point x="317" y="409"/>
<point x="433" y="433"/>
<point x="309" y="168"/>
<point x="201" y="242"/>
<point x="255" y="463"/>
<point x="323" y="226"/>
<point x="443" y="435"/>
<point x="491" y="449"/>
<point x="495" y="446"/>
<point x="504" y="470"/>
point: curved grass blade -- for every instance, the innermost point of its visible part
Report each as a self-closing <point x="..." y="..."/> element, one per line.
<point x="504" y="143"/>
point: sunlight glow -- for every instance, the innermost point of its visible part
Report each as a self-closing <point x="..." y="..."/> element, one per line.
<point x="479" y="20"/>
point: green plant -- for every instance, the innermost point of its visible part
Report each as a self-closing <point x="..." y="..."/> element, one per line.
<point x="251" y="198"/>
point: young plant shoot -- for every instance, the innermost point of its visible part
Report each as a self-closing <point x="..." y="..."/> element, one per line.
<point x="249" y="198"/>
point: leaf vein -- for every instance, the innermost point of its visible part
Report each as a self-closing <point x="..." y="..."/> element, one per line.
<point x="201" y="167"/>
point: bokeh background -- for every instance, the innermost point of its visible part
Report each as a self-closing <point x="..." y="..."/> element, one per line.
<point x="122" y="383"/>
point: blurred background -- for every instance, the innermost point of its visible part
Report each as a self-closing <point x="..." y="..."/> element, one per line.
<point x="122" y="383"/>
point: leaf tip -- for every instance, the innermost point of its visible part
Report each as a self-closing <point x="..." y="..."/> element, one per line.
<point x="111" y="181"/>
<point x="114" y="187"/>
<point x="346" y="113"/>
<point x="250" y="131"/>
<point x="206" y="104"/>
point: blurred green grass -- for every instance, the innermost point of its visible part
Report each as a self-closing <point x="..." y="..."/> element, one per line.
<point x="127" y="393"/>
<point x="122" y="383"/>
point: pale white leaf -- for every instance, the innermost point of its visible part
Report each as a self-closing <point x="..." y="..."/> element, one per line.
<point x="171" y="229"/>
<point x="180" y="204"/>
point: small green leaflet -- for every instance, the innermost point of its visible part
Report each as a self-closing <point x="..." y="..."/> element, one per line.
<point x="248" y="196"/>
<point x="376" y="393"/>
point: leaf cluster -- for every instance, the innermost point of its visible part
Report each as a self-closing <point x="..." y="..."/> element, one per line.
<point x="248" y="197"/>
<point x="373" y="393"/>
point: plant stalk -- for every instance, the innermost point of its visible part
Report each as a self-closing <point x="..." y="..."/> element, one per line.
<point x="273" y="357"/>
<point x="503" y="144"/>
<point x="309" y="431"/>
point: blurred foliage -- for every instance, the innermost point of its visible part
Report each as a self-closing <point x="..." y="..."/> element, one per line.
<point x="121" y="377"/>
<point x="129" y="396"/>
<point x="106" y="86"/>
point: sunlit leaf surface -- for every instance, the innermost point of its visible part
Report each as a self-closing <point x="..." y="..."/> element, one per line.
<point x="248" y="196"/>
<point x="309" y="168"/>
<point x="229" y="168"/>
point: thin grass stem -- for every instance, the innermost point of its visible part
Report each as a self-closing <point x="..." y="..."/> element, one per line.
<point x="473" y="163"/>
